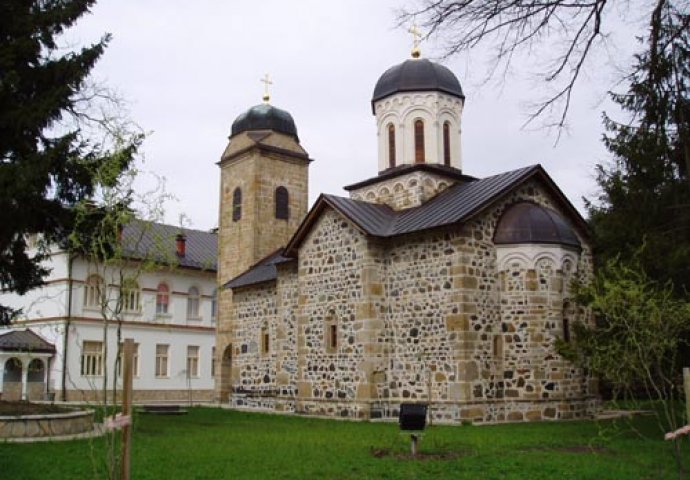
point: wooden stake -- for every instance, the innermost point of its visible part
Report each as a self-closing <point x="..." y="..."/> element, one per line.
<point x="415" y="439"/>
<point x="128" y="358"/>
<point x="686" y="386"/>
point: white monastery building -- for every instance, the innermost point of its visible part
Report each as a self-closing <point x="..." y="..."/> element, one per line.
<point x="57" y="349"/>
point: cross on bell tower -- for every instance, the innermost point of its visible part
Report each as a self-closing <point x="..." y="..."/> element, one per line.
<point x="266" y="81"/>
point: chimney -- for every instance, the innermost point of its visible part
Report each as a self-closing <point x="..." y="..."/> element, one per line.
<point x="180" y="244"/>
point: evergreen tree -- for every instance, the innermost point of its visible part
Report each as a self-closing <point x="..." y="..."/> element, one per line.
<point x="47" y="165"/>
<point x="645" y="191"/>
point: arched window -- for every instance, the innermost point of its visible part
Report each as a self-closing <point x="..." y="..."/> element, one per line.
<point x="130" y="296"/>
<point x="446" y="144"/>
<point x="391" y="145"/>
<point x="282" y="205"/>
<point x="237" y="204"/>
<point x="93" y="292"/>
<point x="193" y="303"/>
<point x="162" y="299"/>
<point x="568" y="313"/>
<point x="13" y="370"/>
<point x="36" y="371"/>
<point x="418" y="141"/>
<point x="265" y="340"/>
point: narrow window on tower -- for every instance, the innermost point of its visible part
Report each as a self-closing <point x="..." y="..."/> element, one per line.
<point x="418" y="141"/>
<point x="391" y="145"/>
<point x="282" y="204"/>
<point x="237" y="204"/>
<point x="446" y="144"/>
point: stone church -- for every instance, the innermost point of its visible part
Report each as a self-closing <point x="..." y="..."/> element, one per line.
<point x="425" y="285"/>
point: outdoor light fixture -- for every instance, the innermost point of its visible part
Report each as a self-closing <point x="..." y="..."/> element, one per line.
<point x="412" y="419"/>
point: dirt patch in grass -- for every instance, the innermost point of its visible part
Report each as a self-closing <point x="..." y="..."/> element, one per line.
<point x="14" y="409"/>
<point x="452" y="455"/>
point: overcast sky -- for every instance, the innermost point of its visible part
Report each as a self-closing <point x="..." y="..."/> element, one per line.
<point x="188" y="69"/>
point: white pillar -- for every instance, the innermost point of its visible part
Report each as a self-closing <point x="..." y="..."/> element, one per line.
<point x="2" y="374"/>
<point x="46" y="364"/>
<point x="25" y="374"/>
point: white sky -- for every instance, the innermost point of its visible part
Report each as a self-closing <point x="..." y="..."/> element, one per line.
<point x="188" y="69"/>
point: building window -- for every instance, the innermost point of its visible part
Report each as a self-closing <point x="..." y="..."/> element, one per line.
<point x="419" y="141"/>
<point x="237" y="204"/>
<point x="92" y="359"/>
<point x="135" y="360"/>
<point x="391" y="145"/>
<point x="193" y="303"/>
<point x="94" y="292"/>
<point x="282" y="204"/>
<point x="446" y="144"/>
<point x="36" y="373"/>
<point x="162" y="299"/>
<point x="162" y="360"/>
<point x="331" y="334"/>
<point x="213" y="361"/>
<point x="568" y="313"/>
<point x="214" y="306"/>
<point x="130" y="296"/>
<point x="265" y="340"/>
<point x="192" y="361"/>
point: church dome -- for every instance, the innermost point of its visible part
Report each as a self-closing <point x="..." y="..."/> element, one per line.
<point x="527" y="222"/>
<point x="414" y="75"/>
<point x="265" y="117"/>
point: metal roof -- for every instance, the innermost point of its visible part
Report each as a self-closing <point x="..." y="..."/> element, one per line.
<point x="456" y="204"/>
<point x="265" y="117"/>
<point x="416" y="75"/>
<point x="392" y="172"/>
<point x="263" y="271"/>
<point x="156" y="241"/>
<point x="527" y="222"/>
<point x="24" y="341"/>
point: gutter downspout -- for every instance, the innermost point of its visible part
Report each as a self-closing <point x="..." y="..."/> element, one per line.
<point x="68" y="323"/>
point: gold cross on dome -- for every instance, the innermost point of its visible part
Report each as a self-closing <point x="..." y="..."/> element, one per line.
<point x="266" y="81"/>
<point x="416" y="38"/>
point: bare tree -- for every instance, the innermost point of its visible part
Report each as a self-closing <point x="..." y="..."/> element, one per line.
<point x="566" y="33"/>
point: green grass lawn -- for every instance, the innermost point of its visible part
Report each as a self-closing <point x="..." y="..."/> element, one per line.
<point x="220" y="444"/>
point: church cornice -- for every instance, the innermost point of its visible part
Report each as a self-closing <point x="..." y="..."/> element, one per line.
<point x="390" y="173"/>
<point x="265" y="149"/>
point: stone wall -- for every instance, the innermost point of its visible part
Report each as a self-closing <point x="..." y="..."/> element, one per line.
<point x="427" y="317"/>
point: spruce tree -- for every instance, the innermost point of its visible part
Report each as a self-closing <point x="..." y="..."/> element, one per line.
<point x="643" y="210"/>
<point x="47" y="165"/>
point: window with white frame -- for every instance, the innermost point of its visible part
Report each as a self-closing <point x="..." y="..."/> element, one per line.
<point x="192" y="361"/>
<point x="214" y="306"/>
<point x="130" y="296"/>
<point x="193" y="303"/>
<point x="92" y="358"/>
<point x="162" y="360"/>
<point x="135" y="360"/>
<point x="93" y="292"/>
<point x="162" y="299"/>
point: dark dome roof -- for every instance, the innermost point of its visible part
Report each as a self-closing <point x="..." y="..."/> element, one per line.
<point x="527" y="222"/>
<point x="417" y="74"/>
<point x="265" y="117"/>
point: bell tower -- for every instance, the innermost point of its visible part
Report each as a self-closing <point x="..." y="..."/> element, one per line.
<point x="264" y="177"/>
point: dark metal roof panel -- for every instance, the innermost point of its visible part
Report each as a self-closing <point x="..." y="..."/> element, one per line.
<point x="156" y="241"/>
<point x="24" y="341"/>
<point x="458" y="202"/>
<point x="455" y="204"/>
<point x="374" y="219"/>
<point x="416" y="75"/>
<point x="527" y="222"/>
<point x="263" y="271"/>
